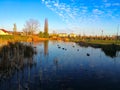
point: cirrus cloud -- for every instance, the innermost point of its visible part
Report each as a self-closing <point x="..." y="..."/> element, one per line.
<point x="77" y="12"/>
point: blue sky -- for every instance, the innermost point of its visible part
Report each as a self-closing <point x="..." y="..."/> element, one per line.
<point x="88" y="17"/>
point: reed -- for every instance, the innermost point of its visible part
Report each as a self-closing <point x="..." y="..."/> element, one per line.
<point x="12" y="57"/>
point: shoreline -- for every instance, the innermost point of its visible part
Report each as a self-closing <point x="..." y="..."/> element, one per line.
<point x="98" y="45"/>
<point x="109" y="49"/>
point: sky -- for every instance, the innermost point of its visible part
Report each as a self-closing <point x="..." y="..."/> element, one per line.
<point x="89" y="17"/>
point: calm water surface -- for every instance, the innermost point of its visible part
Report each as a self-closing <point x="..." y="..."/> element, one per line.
<point x="66" y="66"/>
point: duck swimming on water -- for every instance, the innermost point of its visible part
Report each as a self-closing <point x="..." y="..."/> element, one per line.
<point x="88" y="54"/>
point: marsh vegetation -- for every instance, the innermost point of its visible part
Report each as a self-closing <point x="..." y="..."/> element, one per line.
<point x="13" y="57"/>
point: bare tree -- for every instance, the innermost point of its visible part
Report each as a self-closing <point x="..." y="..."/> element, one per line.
<point x="31" y="26"/>
<point x="25" y="30"/>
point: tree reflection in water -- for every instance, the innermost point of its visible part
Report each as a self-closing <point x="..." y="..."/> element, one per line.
<point x="110" y="50"/>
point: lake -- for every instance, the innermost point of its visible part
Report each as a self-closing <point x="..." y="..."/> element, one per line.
<point x="59" y="65"/>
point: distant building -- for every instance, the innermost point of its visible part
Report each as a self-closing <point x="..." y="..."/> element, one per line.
<point x="4" y="32"/>
<point x="115" y="37"/>
<point x="46" y="26"/>
<point x="63" y="35"/>
<point x="72" y="35"/>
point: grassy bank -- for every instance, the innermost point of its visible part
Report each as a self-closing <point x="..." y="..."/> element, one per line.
<point x="12" y="38"/>
<point x="95" y="41"/>
<point x="4" y="39"/>
<point x="104" y="42"/>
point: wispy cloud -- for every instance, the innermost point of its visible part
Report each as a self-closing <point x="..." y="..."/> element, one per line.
<point x="116" y="4"/>
<point x="78" y="12"/>
<point x="108" y="4"/>
<point x="97" y="11"/>
<point x="105" y="1"/>
<point x="63" y="10"/>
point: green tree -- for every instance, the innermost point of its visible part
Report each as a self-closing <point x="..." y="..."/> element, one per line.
<point x="41" y="34"/>
<point x="46" y="35"/>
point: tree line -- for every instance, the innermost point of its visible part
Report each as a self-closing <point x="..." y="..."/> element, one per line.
<point x="32" y="26"/>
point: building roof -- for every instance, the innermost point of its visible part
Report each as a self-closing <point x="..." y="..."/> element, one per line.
<point x="4" y="30"/>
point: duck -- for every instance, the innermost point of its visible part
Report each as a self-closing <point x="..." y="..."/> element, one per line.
<point x="59" y="47"/>
<point x="88" y="54"/>
<point x="63" y="48"/>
